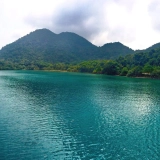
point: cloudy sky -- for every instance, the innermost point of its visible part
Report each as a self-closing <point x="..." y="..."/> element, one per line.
<point x="135" y="23"/>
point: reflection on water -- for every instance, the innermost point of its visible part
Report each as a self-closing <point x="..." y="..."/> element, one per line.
<point x="46" y="115"/>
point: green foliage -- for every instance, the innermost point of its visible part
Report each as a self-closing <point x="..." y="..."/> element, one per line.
<point x="114" y="50"/>
<point x="111" y="68"/>
<point x="124" y="71"/>
<point x="135" y="72"/>
<point x="97" y="70"/>
<point x="44" y="50"/>
<point x="147" y="68"/>
<point x="156" y="73"/>
<point x="153" y="47"/>
<point x="141" y="64"/>
<point x="94" y="66"/>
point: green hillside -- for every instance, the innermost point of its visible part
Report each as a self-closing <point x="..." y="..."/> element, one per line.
<point x="114" y="50"/>
<point x="45" y="50"/>
<point x="142" y="64"/>
<point x="154" y="46"/>
<point x="44" y="45"/>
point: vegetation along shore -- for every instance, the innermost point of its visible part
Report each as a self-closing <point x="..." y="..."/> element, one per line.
<point x="45" y="50"/>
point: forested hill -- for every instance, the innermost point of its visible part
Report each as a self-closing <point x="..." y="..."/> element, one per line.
<point x="117" y="48"/>
<point x="45" y="50"/>
<point x="44" y="45"/>
<point x="155" y="46"/>
<point x="142" y="64"/>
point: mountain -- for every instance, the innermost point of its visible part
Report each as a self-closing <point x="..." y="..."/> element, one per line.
<point x="44" y="45"/>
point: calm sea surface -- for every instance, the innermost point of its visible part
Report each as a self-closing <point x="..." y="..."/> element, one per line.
<point x="72" y="116"/>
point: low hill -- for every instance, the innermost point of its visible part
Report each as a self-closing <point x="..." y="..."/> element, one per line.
<point x="115" y="50"/>
<point x="142" y="64"/>
<point x="155" y="46"/>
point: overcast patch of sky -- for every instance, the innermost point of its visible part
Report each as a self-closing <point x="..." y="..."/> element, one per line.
<point x="154" y="10"/>
<point x="134" y="23"/>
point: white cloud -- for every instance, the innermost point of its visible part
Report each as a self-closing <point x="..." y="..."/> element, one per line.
<point x="134" y="23"/>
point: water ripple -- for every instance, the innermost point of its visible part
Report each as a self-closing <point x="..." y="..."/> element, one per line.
<point x="46" y="115"/>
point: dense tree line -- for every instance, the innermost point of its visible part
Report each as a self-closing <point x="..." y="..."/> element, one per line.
<point x="142" y="64"/>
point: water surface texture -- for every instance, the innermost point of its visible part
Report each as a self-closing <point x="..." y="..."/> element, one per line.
<point x="72" y="116"/>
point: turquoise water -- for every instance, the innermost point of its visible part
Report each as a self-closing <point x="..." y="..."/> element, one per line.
<point x="51" y="115"/>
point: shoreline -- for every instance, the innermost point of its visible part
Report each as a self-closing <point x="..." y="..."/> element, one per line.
<point x="141" y="77"/>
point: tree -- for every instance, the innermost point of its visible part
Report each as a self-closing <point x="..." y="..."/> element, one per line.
<point x="147" y="68"/>
<point x="124" y="71"/>
<point x="111" y="68"/>
<point x="156" y="73"/>
<point x="135" y="72"/>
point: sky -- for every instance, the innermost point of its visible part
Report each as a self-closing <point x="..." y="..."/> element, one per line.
<point x="135" y="23"/>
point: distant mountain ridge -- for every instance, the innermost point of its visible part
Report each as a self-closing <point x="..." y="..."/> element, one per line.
<point x="66" y="47"/>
